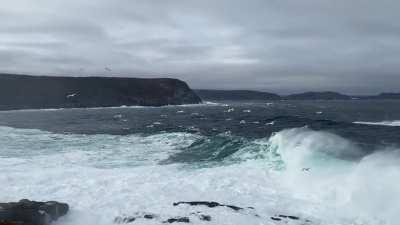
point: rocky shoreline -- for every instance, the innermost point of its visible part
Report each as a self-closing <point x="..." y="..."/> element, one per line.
<point x="197" y="215"/>
<point x="26" y="212"/>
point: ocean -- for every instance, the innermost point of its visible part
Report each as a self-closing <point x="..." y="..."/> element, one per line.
<point x="321" y="162"/>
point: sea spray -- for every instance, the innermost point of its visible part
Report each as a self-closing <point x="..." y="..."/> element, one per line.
<point x="93" y="174"/>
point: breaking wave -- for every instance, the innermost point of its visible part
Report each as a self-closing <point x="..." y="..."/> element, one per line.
<point x="312" y="174"/>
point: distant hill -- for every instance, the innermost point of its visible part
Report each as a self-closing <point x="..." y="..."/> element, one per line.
<point x="383" y="96"/>
<point x="235" y="95"/>
<point x="328" y="95"/>
<point x="39" y="92"/>
<point x="239" y="95"/>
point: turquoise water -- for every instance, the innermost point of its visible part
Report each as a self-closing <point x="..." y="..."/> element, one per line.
<point x="313" y="172"/>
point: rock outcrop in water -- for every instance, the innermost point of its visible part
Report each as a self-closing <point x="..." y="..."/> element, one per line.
<point x="39" y="92"/>
<point x="139" y="217"/>
<point x="198" y="215"/>
<point x="210" y="205"/>
<point x="26" y="212"/>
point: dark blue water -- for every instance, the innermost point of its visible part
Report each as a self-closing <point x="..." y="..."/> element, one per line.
<point x="250" y="120"/>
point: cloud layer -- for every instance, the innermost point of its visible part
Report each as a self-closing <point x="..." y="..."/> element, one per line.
<point x="352" y="46"/>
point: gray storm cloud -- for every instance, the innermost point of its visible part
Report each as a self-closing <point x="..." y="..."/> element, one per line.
<point x="352" y="46"/>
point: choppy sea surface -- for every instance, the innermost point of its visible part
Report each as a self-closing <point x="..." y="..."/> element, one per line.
<point x="326" y="162"/>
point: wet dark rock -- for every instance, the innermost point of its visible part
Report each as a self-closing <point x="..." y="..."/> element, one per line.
<point x="210" y="205"/>
<point x="149" y="216"/>
<point x="136" y="217"/>
<point x="178" y="220"/>
<point x="199" y="215"/>
<point x="9" y="223"/>
<point x="130" y="219"/>
<point x="205" y="217"/>
<point x="202" y="216"/>
<point x="290" y="217"/>
<point x="275" y="218"/>
<point x="293" y="217"/>
<point x="121" y="219"/>
<point x="26" y="212"/>
<point x="286" y="218"/>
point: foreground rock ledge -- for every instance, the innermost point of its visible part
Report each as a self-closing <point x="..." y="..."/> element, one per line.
<point x="198" y="215"/>
<point x="26" y="212"/>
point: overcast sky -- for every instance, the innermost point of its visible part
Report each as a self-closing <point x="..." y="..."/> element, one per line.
<point x="284" y="46"/>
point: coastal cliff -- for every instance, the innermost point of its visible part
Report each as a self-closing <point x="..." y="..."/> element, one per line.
<point x="40" y="92"/>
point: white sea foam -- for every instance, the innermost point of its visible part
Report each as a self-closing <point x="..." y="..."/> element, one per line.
<point x="394" y="123"/>
<point x="119" y="107"/>
<point x="94" y="150"/>
<point x="211" y="103"/>
<point x="103" y="176"/>
<point x="363" y="192"/>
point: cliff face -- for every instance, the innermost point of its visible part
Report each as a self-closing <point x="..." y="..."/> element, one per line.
<point x="37" y="92"/>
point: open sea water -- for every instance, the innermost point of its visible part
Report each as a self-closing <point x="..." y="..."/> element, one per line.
<point x="326" y="162"/>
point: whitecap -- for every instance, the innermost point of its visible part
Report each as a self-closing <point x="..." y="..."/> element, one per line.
<point x="71" y="95"/>
<point x="118" y="116"/>
<point x="393" y="123"/>
<point x="230" y="110"/>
